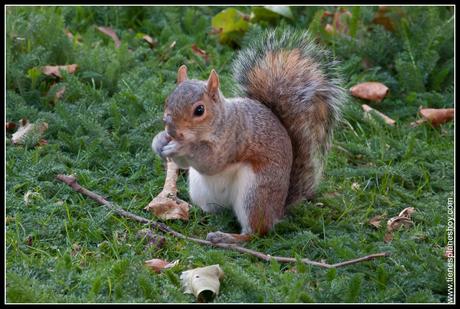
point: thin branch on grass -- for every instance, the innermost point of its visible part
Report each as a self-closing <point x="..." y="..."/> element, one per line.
<point x="72" y="182"/>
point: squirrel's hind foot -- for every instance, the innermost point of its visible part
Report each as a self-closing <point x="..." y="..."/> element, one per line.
<point x="227" y="238"/>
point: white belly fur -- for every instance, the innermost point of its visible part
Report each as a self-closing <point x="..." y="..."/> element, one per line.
<point x="226" y="189"/>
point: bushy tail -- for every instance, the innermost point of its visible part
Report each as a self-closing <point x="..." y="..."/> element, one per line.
<point x="299" y="81"/>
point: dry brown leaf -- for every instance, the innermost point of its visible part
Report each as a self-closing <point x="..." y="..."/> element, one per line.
<point x="375" y="221"/>
<point x="407" y="212"/>
<point x="109" y="31"/>
<point x="437" y="116"/>
<point x="10" y="126"/>
<point x="396" y="222"/>
<point x="368" y="110"/>
<point x="26" y="128"/>
<point x="54" y="70"/>
<point x="403" y="219"/>
<point x="166" y="208"/>
<point x="158" y="265"/>
<point x="372" y="91"/>
<point x="150" y="40"/>
<point x="200" y="52"/>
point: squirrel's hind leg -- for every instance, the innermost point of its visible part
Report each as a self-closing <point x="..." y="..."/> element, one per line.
<point x="258" y="204"/>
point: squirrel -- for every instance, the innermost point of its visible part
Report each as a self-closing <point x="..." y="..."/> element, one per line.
<point x="263" y="151"/>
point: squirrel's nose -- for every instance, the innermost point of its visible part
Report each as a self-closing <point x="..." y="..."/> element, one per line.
<point x="167" y="119"/>
<point x="169" y="125"/>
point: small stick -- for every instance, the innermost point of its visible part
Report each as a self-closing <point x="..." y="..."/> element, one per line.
<point x="367" y="109"/>
<point x="167" y="205"/>
<point x="71" y="182"/>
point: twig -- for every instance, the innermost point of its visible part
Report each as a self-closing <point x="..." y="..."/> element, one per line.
<point x="72" y="182"/>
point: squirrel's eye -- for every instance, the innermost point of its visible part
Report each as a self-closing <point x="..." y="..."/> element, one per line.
<point x="199" y="111"/>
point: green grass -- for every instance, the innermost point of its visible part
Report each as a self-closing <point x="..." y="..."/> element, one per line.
<point x="102" y="127"/>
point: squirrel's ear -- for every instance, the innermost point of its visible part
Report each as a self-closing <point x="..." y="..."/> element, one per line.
<point x="213" y="83"/>
<point x="182" y="74"/>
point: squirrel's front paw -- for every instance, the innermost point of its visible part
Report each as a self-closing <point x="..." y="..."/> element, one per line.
<point x="159" y="142"/>
<point x="170" y="150"/>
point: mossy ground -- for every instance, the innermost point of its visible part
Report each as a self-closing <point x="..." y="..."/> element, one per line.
<point x="63" y="247"/>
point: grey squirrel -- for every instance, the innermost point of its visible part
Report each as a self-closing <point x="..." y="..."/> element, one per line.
<point x="265" y="150"/>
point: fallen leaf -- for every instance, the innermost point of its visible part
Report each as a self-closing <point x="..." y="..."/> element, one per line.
<point x="407" y="212"/>
<point x="269" y="13"/>
<point x="158" y="265"/>
<point x="230" y="25"/>
<point x="166" y="208"/>
<point x="403" y="219"/>
<point x="282" y="10"/>
<point x="203" y="282"/>
<point x="375" y="221"/>
<point x="27" y="129"/>
<point x="396" y="222"/>
<point x="10" y="126"/>
<point x="437" y="116"/>
<point x="369" y="110"/>
<point x="372" y="91"/>
<point x="200" y="52"/>
<point x="54" y="70"/>
<point x="149" y="40"/>
<point x="109" y="31"/>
